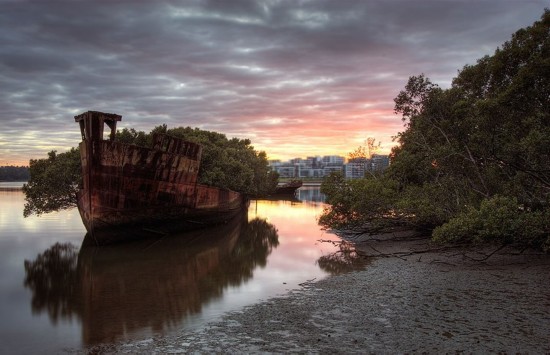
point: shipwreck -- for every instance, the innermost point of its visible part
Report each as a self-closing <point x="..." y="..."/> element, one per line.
<point x="130" y="192"/>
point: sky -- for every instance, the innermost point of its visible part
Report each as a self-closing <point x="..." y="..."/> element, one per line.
<point x="297" y="78"/>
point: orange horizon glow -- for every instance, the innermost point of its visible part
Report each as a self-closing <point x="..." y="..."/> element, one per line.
<point x="316" y="134"/>
<point x="327" y="133"/>
<point x="14" y="162"/>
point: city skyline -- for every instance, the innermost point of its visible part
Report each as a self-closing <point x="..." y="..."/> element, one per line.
<point x="345" y="157"/>
<point x="294" y="78"/>
<point x="321" y="166"/>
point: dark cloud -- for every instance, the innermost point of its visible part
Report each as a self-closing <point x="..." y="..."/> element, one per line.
<point x="285" y="74"/>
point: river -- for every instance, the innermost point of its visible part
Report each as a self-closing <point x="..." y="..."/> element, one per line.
<point x="58" y="294"/>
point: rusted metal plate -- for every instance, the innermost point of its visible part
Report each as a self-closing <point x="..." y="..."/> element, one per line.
<point x="127" y="185"/>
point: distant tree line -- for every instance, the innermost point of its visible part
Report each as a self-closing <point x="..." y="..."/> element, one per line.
<point x="226" y="163"/>
<point x="14" y="173"/>
<point x="473" y="163"/>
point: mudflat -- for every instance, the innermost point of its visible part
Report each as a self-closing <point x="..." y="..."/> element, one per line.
<point x="412" y="297"/>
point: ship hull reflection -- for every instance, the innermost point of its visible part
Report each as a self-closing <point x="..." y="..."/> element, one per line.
<point x="148" y="285"/>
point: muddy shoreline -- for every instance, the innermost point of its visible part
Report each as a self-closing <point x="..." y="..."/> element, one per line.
<point x="407" y="300"/>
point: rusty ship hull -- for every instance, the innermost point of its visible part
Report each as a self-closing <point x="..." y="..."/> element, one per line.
<point x="130" y="192"/>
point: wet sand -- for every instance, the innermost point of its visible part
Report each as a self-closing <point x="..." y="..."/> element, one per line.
<point x="406" y="300"/>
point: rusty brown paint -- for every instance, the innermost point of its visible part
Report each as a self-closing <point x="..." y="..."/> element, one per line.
<point x="131" y="187"/>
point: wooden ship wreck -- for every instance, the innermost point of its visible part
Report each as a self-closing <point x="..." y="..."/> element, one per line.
<point x="130" y="192"/>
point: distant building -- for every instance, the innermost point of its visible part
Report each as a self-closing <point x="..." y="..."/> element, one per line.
<point x="354" y="170"/>
<point x="311" y="167"/>
<point x="319" y="167"/>
<point x="327" y="170"/>
<point x="378" y="162"/>
<point x="333" y="160"/>
<point x="357" y="168"/>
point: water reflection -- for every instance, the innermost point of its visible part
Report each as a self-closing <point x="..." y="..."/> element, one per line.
<point x="146" y="285"/>
<point x="310" y="193"/>
<point x="53" y="277"/>
<point x="345" y="259"/>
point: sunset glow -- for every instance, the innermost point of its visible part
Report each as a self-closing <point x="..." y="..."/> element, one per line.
<point x="296" y="78"/>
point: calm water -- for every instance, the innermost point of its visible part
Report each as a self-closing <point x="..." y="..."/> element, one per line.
<point x="57" y="294"/>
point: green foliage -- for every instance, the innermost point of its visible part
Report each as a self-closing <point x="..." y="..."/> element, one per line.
<point x="498" y="219"/>
<point x="226" y="163"/>
<point x="131" y="136"/>
<point x="353" y="203"/>
<point x="474" y="160"/>
<point x="376" y="203"/>
<point x="53" y="183"/>
<point x="425" y="206"/>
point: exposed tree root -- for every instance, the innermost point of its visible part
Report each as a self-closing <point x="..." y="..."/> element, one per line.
<point x="397" y="254"/>
<point x="487" y="256"/>
<point x="398" y="247"/>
